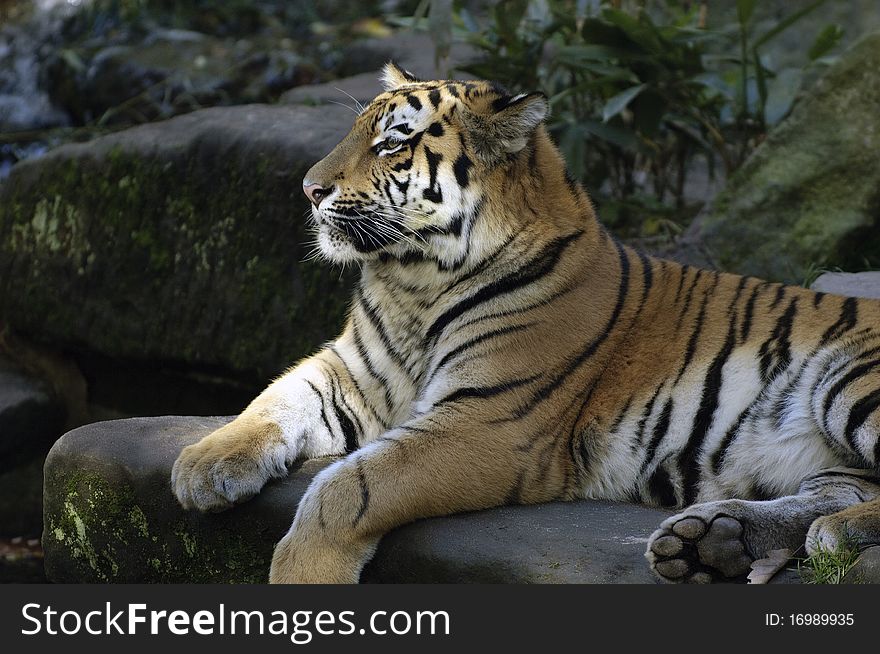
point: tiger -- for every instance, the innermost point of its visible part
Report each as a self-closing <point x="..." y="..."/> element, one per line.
<point x="502" y="347"/>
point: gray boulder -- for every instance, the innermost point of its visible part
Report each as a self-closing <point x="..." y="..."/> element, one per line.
<point x="864" y="284"/>
<point x="413" y="51"/>
<point x="181" y="241"/>
<point x="31" y="418"/>
<point x="809" y="195"/>
<point x="866" y="569"/>
<point x="109" y="515"/>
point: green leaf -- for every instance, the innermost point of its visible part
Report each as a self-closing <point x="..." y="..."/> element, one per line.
<point x="642" y="32"/>
<point x="648" y="112"/>
<point x="761" y="83"/>
<point x="599" y="32"/>
<point x="508" y="16"/>
<point x="615" y="135"/>
<point x="744" y="10"/>
<point x="787" y="22"/>
<point x="597" y="53"/>
<point x="72" y="59"/>
<point x="619" y="102"/>
<point x="827" y="39"/>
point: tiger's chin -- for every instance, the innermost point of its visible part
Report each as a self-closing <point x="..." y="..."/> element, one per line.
<point x="339" y="248"/>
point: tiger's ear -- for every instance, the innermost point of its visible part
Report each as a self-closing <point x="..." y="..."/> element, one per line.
<point x="393" y="77"/>
<point x="508" y="127"/>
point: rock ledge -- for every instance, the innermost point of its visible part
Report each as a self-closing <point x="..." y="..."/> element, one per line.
<point x="109" y="516"/>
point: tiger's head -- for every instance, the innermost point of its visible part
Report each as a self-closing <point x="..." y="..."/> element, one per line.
<point x="409" y="179"/>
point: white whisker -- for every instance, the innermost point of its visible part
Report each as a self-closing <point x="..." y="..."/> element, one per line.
<point x="357" y="102"/>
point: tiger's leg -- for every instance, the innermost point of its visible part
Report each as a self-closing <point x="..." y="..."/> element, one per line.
<point x="414" y="472"/>
<point x="316" y="409"/>
<point x="718" y="541"/>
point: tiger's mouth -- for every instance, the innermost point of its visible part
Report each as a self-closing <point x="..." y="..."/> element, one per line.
<point x="367" y="235"/>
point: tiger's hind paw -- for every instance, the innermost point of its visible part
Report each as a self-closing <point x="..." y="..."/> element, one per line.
<point x="699" y="547"/>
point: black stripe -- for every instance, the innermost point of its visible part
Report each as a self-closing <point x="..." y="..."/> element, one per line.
<point x="775" y="352"/>
<point x="383" y="381"/>
<point x="860" y="412"/>
<point x="543" y="302"/>
<point x="746" y="327"/>
<point x="649" y="408"/>
<point x="413" y="101"/>
<point x="501" y="331"/>
<point x="484" y="265"/>
<point x="615" y="424"/>
<point x="660" y="431"/>
<point x="515" y="492"/>
<point x="691" y="348"/>
<point x="483" y="392"/>
<point x="548" y="389"/>
<point x="780" y="293"/>
<point x="533" y="270"/>
<point x="345" y="423"/>
<point x="847" y="320"/>
<point x="431" y="193"/>
<point x="817" y="299"/>
<point x="461" y="167"/>
<point x="732" y="433"/>
<point x="854" y="374"/>
<point x="661" y="488"/>
<point x="737" y="295"/>
<point x="684" y="272"/>
<point x="333" y="375"/>
<point x="688" y="298"/>
<point x="367" y="403"/>
<point x="365" y="493"/>
<point x="323" y="408"/>
<point x="647" y="277"/>
<point x="376" y="322"/>
<point x="688" y="460"/>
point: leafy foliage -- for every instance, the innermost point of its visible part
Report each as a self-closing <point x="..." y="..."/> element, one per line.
<point x="638" y="93"/>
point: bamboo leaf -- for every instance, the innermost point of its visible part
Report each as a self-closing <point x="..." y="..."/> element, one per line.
<point x="619" y="102"/>
<point x="744" y="10"/>
<point x="786" y="22"/>
<point x="827" y="39"/>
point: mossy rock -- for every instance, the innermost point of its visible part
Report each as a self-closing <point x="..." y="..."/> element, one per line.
<point x="809" y="196"/>
<point x="110" y="516"/>
<point x="181" y="241"/>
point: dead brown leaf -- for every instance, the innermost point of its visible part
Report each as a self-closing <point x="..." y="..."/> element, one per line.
<point x="763" y="570"/>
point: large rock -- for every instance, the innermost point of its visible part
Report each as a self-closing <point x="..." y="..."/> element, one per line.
<point x="181" y="241"/>
<point x="31" y="418"/>
<point x="110" y="516"/>
<point x="866" y="569"/>
<point x="413" y="51"/>
<point x="865" y="284"/>
<point x="169" y="72"/>
<point x="810" y="194"/>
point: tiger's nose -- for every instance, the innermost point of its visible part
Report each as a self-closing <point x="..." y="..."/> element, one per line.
<point x="315" y="193"/>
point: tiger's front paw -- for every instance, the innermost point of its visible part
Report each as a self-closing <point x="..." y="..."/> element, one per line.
<point x="229" y="466"/>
